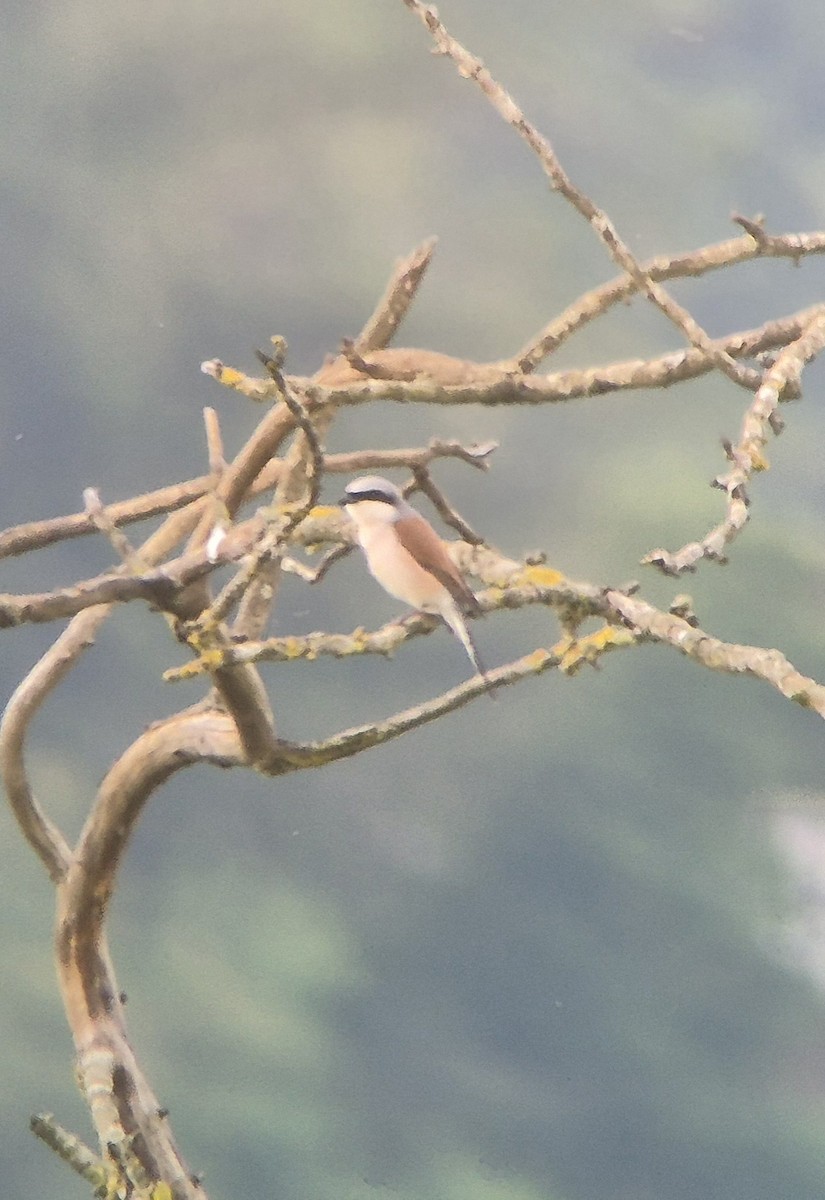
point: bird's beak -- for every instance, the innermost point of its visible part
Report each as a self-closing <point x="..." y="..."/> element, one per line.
<point x="344" y="501"/>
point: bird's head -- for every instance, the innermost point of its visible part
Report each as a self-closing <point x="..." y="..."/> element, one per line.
<point x="373" y="499"/>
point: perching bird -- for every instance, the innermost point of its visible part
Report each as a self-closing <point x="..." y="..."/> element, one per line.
<point x="408" y="558"/>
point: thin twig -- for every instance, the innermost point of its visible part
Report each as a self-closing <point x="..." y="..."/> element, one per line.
<point x="282" y="522"/>
<point x="448" y="514"/>
<point x="747" y="455"/>
<point x="400" y="292"/>
<point x="80" y="1157"/>
<point x="315" y="454"/>
<point x="771" y="666"/>
<point x="214" y="442"/>
<point x="327" y="562"/>
<point x="691" y="264"/>
<point x="470" y="67"/>
<point x="157" y="585"/>
<point x="102" y="521"/>
<point x="35" y="535"/>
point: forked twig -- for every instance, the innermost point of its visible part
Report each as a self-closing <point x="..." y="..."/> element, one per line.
<point x="470" y="67"/>
<point x="691" y="264"/>
<point x="102" y="521"/>
<point x="747" y="455"/>
<point x="450" y="515"/>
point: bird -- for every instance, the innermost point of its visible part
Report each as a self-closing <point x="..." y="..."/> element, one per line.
<point x="408" y="558"/>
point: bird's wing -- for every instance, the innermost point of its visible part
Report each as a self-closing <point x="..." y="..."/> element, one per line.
<point x="424" y="545"/>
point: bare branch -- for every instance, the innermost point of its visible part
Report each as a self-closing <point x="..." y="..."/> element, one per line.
<point x="747" y="455"/>
<point x="513" y="585"/>
<point x="400" y="292"/>
<point x="379" y="367"/>
<point x="405" y="363"/>
<point x="312" y="453"/>
<point x="80" y="1157"/>
<point x="755" y="226"/>
<point x="470" y="67"/>
<point x="448" y="514"/>
<point x="243" y="693"/>
<point x="316" y="574"/>
<point x="20" y="539"/>
<point x="102" y="521"/>
<point x="364" y="737"/>
<point x="476" y="455"/>
<point x="138" y="1143"/>
<point x="34" y="535"/>
<point x="507" y="387"/>
<point x="159" y="586"/>
<point x="214" y="442"/>
<point x="194" y="736"/>
<point x="45" y="838"/>
<point x="785" y="245"/>
<point x="230" y="377"/>
<point x="280" y="523"/>
<point x="694" y="263"/>
<point x="768" y="665"/>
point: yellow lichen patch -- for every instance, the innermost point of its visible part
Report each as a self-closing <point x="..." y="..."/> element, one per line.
<point x="230" y="377"/>
<point x="563" y="645"/>
<point x="759" y="461"/>
<point x="360" y="639"/>
<point x="189" y="670"/>
<point x="575" y="653"/>
<point x="295" y="648"/>
<point x="103" y="1181"/>
<point x="541" y="576"/>
<point x="322" y="512"/>
<point x="538" y="658"/>
<point x="200" y="634"/>
<point x="213" y="658"/>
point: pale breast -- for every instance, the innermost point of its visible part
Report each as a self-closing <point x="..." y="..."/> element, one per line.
<point x="397" y="571"/>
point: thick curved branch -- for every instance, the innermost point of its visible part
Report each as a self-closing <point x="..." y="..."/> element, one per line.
<point x="45" y="839"/>
<point x="164" y="749"/>
<point x="131" y="1127"/>
<point x="462" y="382"/>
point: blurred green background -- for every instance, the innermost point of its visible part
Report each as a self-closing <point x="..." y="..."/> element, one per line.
<point x="567" y="947"/>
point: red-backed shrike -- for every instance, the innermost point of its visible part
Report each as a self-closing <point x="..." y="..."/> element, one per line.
<point x="408" y="558"/>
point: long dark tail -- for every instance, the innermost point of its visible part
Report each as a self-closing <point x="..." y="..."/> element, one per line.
<point x="461" y="631"/>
